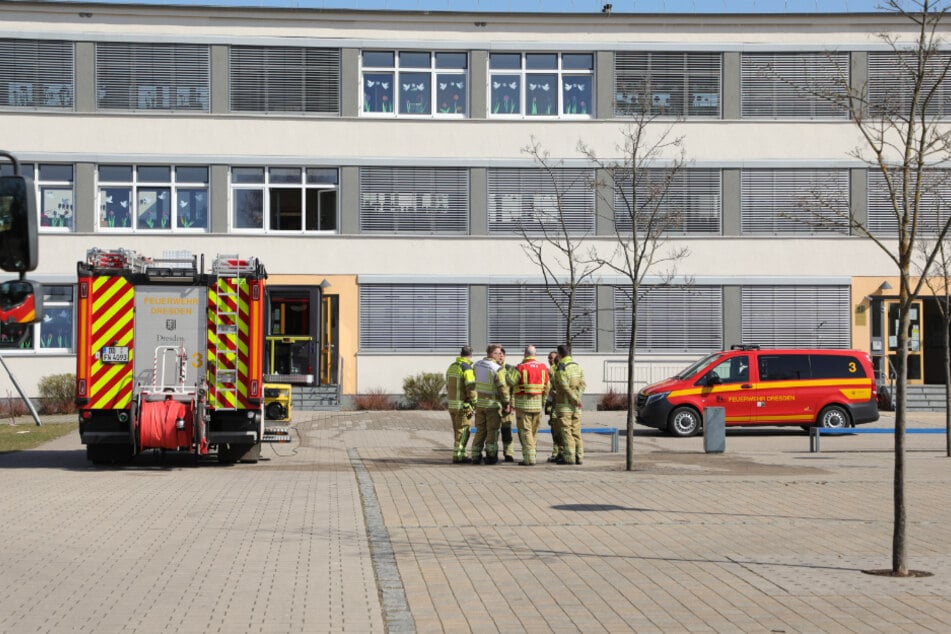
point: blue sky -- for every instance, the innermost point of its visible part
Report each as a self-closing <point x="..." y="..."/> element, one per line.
<point x="556" y="6"/>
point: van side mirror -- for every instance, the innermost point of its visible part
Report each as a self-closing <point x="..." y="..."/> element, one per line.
<point x="18" y="238"/>
<point x="21" y="302"/>
<point x="711" y="379"/>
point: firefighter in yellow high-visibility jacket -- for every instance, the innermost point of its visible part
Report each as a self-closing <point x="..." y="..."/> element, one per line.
<point x="461" y="394"/>
<point x="569" y="387"/>
<point x="492" y="400"/>
<point x="529" y="395"/>
<point x="510" y="374"/>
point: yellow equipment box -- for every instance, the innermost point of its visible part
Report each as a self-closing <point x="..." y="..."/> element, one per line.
<point x="277" y="401"/>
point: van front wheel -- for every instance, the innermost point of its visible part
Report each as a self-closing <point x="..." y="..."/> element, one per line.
<point x="834" y="417"/>
<point x="684" y="421"/>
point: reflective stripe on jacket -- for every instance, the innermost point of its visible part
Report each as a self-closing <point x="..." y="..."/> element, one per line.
<point x="460" y="383"/>
<point x="490" y="384"/>
<point x="532" y="386"/>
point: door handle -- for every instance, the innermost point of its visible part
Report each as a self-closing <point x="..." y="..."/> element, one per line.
<point x="746" y="386"/>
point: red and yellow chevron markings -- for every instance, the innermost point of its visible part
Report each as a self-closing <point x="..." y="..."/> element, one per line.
<point x="110" y="322"/>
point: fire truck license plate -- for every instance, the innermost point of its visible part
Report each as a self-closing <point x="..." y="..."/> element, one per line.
<point x="114" y="354"/>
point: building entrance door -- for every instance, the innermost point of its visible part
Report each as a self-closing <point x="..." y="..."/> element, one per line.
<point x="915" y="374"/>
<point x="290" y="341"/>
<point x="329" y="359"/>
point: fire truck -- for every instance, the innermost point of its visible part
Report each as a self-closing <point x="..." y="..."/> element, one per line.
<point x="170" y="357"/>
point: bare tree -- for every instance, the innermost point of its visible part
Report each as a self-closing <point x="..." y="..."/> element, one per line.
<point x="636" y="186"/>
<point x="903" y="141"/>
<point x="557" y="244"/>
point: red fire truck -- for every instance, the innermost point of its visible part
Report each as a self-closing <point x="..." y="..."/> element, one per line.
<point x="170" y="357"/>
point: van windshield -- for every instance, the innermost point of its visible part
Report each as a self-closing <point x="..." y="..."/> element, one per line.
<point x="692" y="369"/>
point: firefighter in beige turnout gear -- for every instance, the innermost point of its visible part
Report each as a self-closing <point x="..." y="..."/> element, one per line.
<point x="492" y="400"/>
<point x="569" y="387"/>
<point x="532" y="384"/>
<point x="461" y="394"/>
<point x="508" y="418"/>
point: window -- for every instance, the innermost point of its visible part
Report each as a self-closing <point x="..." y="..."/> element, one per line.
<point x="153" y="198"/>
<point x="36" y="74"/>
<point x="55" y="332"/>
<point x="415" y="83"/>
<point x="413" y="317"/>
<point x="519" y="315"/>
<point x="784" y="367"/>
<point x="806" y="85"/>
<point x="836" y="366"/>
<point x="686" y="201"/>
<point x="675" y="84"/>
<point x="670" y="318"/>
<point x="541" y="85"/>
<point x="414" y="200"/>
<point x="539" y="201"/>
<point x="285" y="79"/>
<point x="733" y="370"/>
<point x="54" y="193"/>
<point x="796" y="316"/>
<point x="891" y="79"/>
<point x="794" y="202"/>
<point x="296" y="199"/>
<point x="933" y="206"/>
<point x="152" y="76"/>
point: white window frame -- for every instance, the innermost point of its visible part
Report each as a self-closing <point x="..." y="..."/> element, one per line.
<point x="136" y="186"/>
<point x="42" y="187"/>
<point x="525" y="74"/>
<point x="269" y="183"/>
<point x="398" y="73"/>
<point x="49" y="306"/>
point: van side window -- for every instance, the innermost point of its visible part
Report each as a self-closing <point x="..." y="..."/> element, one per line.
<point x="733" y="370"/>
<point x="784" y="367"/>
<point x="838" y="366"/>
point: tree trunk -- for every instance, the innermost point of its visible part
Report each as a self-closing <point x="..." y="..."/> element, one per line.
<point x="631" y="396"/>
<point x="946" y="341"/>
<point x="899" y="554"/>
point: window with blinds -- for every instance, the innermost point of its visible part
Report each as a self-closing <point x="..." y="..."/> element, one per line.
<point x="413" y="317"/>
<point x="794" y="202"/>
<point x="891" y="84"/>
<point x="285" y="79"/>
<point x="807" y="85"/>
<point x="675" y="84"/>
<point x="133" y="76"/>
<point x="686" y="201"/>
<point x="796" y="316"/>
<point x="934" y="206"/>
<point x="536" y="201"/>
<point x="527" y="314"/>
<point x="670" y="319"/>
<point x="36" y="74"/>
<point x="414" y="200"/>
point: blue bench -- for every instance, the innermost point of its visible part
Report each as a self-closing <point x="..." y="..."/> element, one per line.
<point x="816" y="432"/>
<point x="612" y="431"/>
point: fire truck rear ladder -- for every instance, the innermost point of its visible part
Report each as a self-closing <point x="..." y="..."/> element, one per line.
<point x="226" y="325"/>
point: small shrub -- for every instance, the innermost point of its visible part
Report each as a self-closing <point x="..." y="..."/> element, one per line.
<point x="425" y="391"/>
<point x="375" y="399"/>
<point x="58" y="392"/>
<point x="12" y="407"/>
<point x="612" y="401"/>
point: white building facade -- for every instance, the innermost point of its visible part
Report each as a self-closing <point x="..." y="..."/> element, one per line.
<point x="376" y="163"/>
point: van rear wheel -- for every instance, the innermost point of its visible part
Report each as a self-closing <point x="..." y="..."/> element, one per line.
<point x="683" y="421"/>
<point x="834" y="417"/>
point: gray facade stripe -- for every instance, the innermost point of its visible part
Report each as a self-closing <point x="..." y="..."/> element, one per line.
<point x="349" y="200"/>
<point x="730" y="87"/>
<point x="732" y="317"/>
<point x="220" y="83"/>
<point x="605" y="322"/>
<point x="478" y="317"/>
<point x="478" y="84"/>
<point x="85" y="201"/>
<point x="85" y="82"/>
<point x="604" y="85"/>
<point x="478" y="202"/>
<point x="730" y="179"/>
<point x="350" y="82"/>
<point x="220" y="197"/>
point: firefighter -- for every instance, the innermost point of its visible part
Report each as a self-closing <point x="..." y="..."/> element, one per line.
<point x="569" y="385"/>
<point x="553" y="421"/>
<point x="509" y="374"/>
<point x="461" y="393"/>
<point x="492" y="400"/>
<point x="530" y="392"/>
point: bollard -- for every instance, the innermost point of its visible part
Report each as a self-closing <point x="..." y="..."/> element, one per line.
<point x="714" y="429"/>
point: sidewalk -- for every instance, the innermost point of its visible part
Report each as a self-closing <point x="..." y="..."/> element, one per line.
<point x="363" y="525"/>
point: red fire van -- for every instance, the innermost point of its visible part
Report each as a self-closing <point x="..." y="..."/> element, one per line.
<point x="829" y="388"/>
